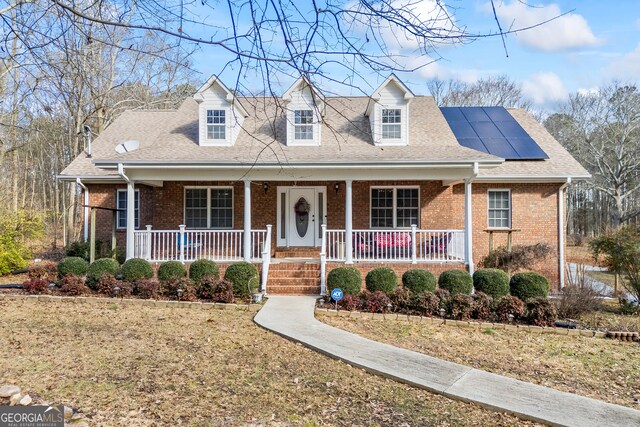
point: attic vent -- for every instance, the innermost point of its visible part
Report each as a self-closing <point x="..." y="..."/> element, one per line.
<point x="127" y="146"/>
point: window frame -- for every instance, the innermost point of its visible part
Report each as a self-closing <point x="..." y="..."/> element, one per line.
<point x="306" y="126"/>
<point x="398" y="123"/>
<point x="509" y="209"/>
<point x="395" y="189"/>
<point x="119" y="213"/>
<point x="208" y="188"/>
<point x="216" y="125"/>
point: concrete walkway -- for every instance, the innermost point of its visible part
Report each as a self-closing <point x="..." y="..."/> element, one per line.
<point x="293" y="318"/>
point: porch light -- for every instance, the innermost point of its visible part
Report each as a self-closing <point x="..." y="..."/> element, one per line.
<point x="337" y="187"/>
<point x="265" y="187"/>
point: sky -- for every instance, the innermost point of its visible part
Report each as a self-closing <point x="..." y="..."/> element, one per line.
<point x="595" y="43"/>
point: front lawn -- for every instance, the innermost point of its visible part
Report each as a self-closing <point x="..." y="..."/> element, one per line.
<point x="128" y="365"/>
<point x="599" y="368"/>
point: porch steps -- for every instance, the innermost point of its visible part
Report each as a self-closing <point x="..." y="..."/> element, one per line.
<point x="294" y="278"/>
<point x="297" y="253"/>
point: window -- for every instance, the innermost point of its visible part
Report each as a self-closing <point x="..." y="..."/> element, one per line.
<point x="121" y="215"/>
<point x="499" y="209"/>
<point x="395" y="207"/>
<point x="208" y="207"/>
<point x="216" y="120"/>
<point x="391" y="119"/>
<point x="303" y="121"/>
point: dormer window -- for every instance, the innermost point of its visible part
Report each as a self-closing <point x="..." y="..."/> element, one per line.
<point x="216" y="124"/>
<point x="391" y="123"/>
<point x="303" y="122"/>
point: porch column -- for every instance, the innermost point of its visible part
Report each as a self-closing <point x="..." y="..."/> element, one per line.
<point x="348" y="219"/>
<point x="468" y="226"/>
<point x="247" y="220"/>
<point x="131" y="218"/>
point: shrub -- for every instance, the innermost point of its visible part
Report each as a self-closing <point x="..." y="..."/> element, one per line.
<point x="444" y="297"/>
<point x="135" y="269"/>
<point x="215" y="290"/>
<point x="575" y="301"/>
<point x="491" y="281"/>
<point x="189" y="293"/>
<point x="402" y="300"/>
<point x="43" y="270"/>
<point x="78" y="250"/>
<point x="171" y="270"/>
<point x="201" y="268"/>
<point x="16" y="229"/>
<point x="456" y="282"/>
<point x="103" y="250"/>
<point x="481" y="306"/>
<point x="426" y="304"/>
<point x="461" y="307"/>
<point x="382" y="279"/>
<point x="108" y="283"/>
<point x="620" y="251"/>
<point x="510" y="305"/>
<point x="36" y="286"/>
<point x="169" y="288"/>
<point x="541" y="312"/>
<point x="520" y="257"/>
<point x="126" y="289"/>
<point x="146" y="288"/>
<point x="528" y="285"/>
<point x="100" y="267"/>
<point x="348" y="279"/>
<point x="73" y="286"/>
<point x="72" y="265"/>
<point x="349" y="302"/>
<point x="418" y="281"/>
<point x="375" y="302"/>
<point x="244" y="277"/>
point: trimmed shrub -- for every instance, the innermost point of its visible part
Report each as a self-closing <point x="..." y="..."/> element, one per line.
<point x="73" y="286"/>
<point x="541" y="312"/>
<point x="426" y="304"/>
<point x="100" y="267"/>
<point x="78" y="250"/>
<point x="402" y="300"/>
<point x="136" y="269"/>
<point x="349" y="302"/>
<point x="456" y="282"/>
<point x="419" y="281"/>
<point x="146" y="288"/>
<point x="375" y="302"/>
<point x="481" y="306"/>
<point x="382" y="279"/>
<point x="189" y="294"/>
<point x="507" y="305"/>
<point x="108" y="283"/>
<point x="36" y="286"/>
<point x="528" y="285"/>
<point x="201" y="268"/>
<point x="171" y="270"/>
<point x="47" y="270"/>
<point x="461" y="307"/>
<point x="170" y="288"/>
<point x="215" y="290"/>
<point x="72" y="265"/>
<point x="491" y="281"/>
<point x="348" y="279"/>
<point x="244" y="277"/>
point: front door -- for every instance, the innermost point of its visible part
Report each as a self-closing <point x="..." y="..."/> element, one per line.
<point x="302" y="217"/>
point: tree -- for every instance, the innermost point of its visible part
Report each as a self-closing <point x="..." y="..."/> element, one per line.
<point x="621" y="253"/>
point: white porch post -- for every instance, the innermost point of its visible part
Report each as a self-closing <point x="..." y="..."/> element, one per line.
<point x="247" y="220"/>
<point x="468" y="226"/>
<point x="131" y="218"/>
<point x="348" y="219"/>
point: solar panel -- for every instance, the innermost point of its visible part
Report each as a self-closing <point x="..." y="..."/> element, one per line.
<point x="492" y="130"/>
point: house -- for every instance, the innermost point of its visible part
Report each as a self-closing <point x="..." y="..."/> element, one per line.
<point x="306" y="182"/>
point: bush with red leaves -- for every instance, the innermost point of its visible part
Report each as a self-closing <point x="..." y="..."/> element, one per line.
<point x="36" y="286"/>
<point x="375" y="302"/>
<point x="73" y="285"/>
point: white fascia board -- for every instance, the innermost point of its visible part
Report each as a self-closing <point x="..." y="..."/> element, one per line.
<point x="531" y="178"/>
<point x="296" y="85"/>
<point x="230" y="97"/>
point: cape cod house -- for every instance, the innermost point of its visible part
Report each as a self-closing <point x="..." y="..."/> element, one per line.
<point x="303" y="183"/>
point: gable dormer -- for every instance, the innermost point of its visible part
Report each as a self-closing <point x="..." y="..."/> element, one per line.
<point x="388" y="112"/>
<point x="220" y="115"/>
<point x="304" y="110"/>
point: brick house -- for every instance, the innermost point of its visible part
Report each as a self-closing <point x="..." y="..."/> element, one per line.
<point x="302" y="183"/>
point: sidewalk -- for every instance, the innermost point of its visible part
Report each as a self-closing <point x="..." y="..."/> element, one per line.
<point x="293" y="318"/>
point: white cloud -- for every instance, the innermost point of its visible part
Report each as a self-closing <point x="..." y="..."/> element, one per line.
<point x="586" y="91"/>
<point x="545" y="88"/>
<point x="625" y="68"/>
<point x="436" y="71"/>
<point x="564" y="33"/>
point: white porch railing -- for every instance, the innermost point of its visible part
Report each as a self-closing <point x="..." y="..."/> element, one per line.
<point x="190" y="245"/>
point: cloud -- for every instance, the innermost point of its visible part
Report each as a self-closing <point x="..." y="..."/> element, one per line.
<point x="625" y="68"/>
<point x="567" y="32"/>
<point x="545" y="88"/>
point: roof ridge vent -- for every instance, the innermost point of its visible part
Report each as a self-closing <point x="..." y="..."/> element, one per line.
<point x="127" y="146"/>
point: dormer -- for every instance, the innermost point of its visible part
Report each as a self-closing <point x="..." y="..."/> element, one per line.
<point x="388" y="112"/>
<point x="220" y="115"/>
<point x="304" y="111"/>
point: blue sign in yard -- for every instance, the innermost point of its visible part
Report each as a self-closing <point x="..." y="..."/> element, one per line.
<point x="336" y="294"/>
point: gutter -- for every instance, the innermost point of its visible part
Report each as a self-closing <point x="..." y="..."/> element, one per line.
<point x="122" y="174"/>
<point x="561" y="230"/>
<point x="86" y="208"/>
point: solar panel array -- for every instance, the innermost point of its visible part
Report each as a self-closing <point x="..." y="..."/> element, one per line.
<point x="492" y="130"/>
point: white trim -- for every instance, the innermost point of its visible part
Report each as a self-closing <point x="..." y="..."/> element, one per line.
<point x="561" y="231"/>
<point x="284" y="189"/>
<point x="508" y="190"/>
<point x="394" y="205"/>
<point x="118" y="213"/>
<point x="208" y="188"/>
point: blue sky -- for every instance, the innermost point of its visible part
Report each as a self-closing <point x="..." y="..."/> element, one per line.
<point x="597" y="43"/>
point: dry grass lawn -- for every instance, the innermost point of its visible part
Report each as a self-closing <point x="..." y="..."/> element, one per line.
<point x="600" y="368"/>
<point x="152" y="366"/>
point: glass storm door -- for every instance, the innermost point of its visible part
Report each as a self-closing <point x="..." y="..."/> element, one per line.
<point x="302" y="217"/>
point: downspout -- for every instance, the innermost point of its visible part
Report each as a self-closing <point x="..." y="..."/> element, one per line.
<point x="86" y="208"/>
<point x="468" y="220"/>
<point x="121" y="173"/>
<point x="561" y="230"/>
